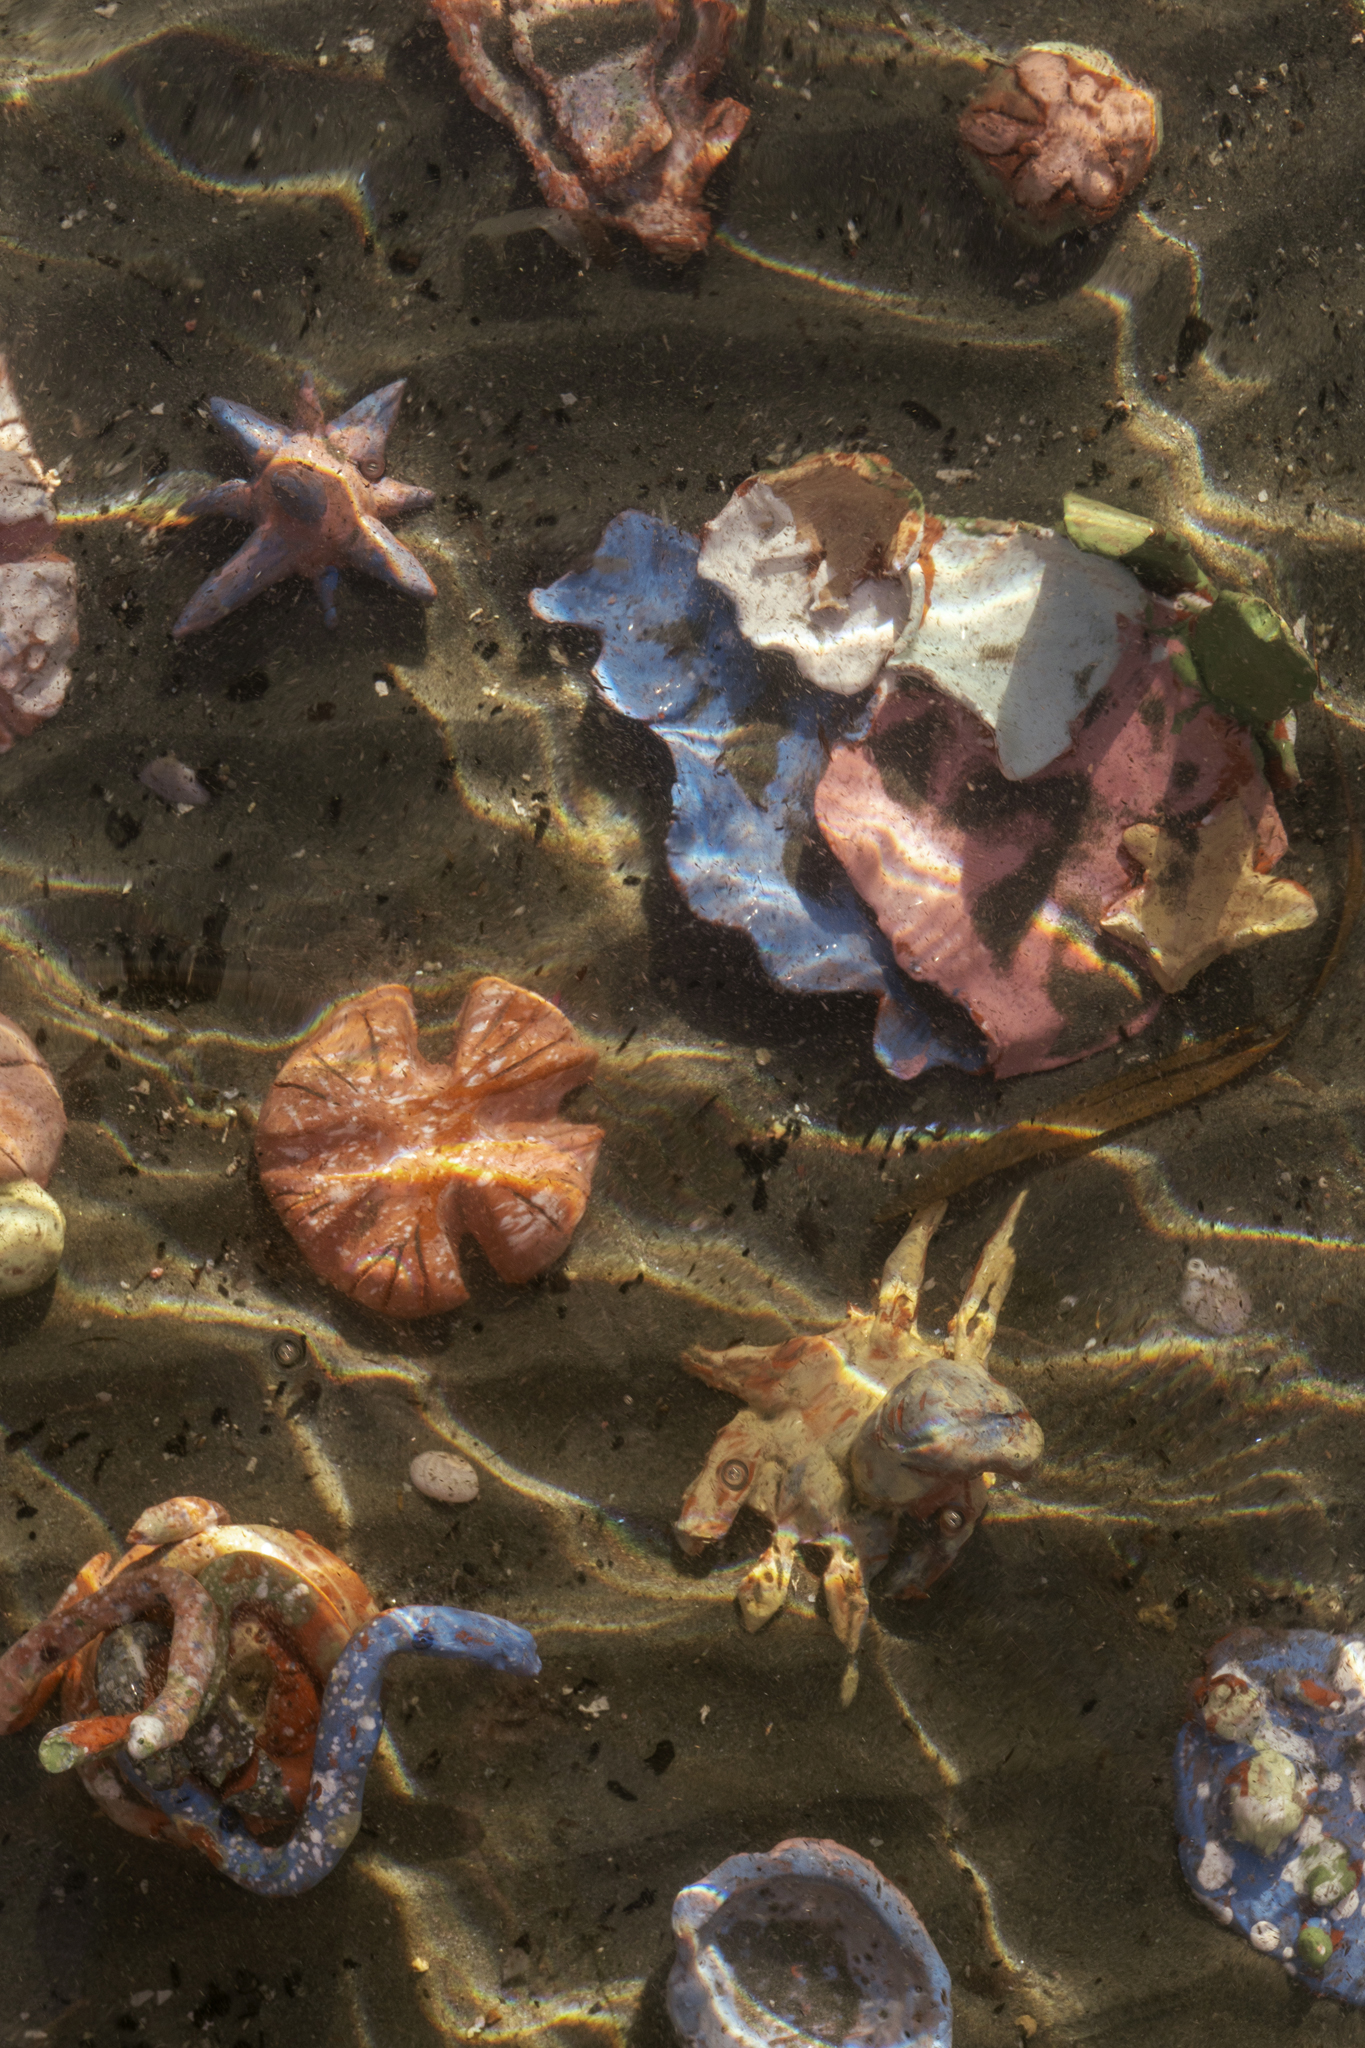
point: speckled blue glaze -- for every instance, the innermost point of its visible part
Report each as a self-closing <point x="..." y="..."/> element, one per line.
<point x="1309" y="1705"/>
<point x="348" y="1734"/>
<point x="855" y="1926"/>
<point x="743" y="846"/>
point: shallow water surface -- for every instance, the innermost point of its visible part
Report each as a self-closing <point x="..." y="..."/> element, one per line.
<point x="195" y="204"/>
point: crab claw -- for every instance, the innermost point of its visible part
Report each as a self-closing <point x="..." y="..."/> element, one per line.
<point x="764" y="1587"/>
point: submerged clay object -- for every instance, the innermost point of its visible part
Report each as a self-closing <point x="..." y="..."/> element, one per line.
<point x="872" y="1440"/>
<point x="970" y="758"/>
<point x="380" y="1161"/>
<point x="37" y="584"/>
<point x="1060" y="136"/>
<point x="807" y="1943"/>
<point x="1268" y="1799"/>
<point x="607" y="98"/>
<point x="317" y="499"/>
<point x="814" y="558"/>
<point x="32" y="1127"/>
<point x="32" y="1120"/>
<point x="267" y="1711"/>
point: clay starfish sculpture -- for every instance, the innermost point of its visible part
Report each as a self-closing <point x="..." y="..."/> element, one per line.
<point x="846" y="1433"/>
<point x="380" y="1161"/>
<point x="318" y="500"/>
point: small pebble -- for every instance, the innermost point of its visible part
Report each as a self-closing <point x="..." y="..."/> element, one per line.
<point x="32" y="1236"/>
<point x="440" y="1475"/>
<point x="174" y="783"/>
<point x="1214" y="1299"/>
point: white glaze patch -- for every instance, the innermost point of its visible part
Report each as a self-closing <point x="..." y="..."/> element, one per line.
<point x="1215" y="1868"/>
<point x="753" y="551"/>
<point x="1024" y="628"/>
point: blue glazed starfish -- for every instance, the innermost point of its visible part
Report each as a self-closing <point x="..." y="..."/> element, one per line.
<point x="317" y="500"/>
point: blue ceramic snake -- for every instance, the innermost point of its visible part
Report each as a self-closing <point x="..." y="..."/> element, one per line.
<point x="348" y="1734"/>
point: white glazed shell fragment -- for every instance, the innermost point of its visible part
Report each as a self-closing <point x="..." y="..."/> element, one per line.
<point x="443" y="1476"/>
<point x="37" y="585"/>
<point x="814" y="559"/>
<point x="764" y="1939"/>
<point x="1214" y="1299"/>
<point x="32" y="1237"/>
<point x="1025" y="629"/>
<point x="175" y="784"/>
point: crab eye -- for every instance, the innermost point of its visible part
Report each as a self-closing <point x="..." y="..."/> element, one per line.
<point x="735" y="1473"/>
<point x="951" y="1520"/>
<point x="371" y="467"/>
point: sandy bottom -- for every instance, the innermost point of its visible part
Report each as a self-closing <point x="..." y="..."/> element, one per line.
<point x="203" y="209"/>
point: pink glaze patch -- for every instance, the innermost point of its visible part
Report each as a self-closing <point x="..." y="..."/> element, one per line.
<point x="994" y="890"/>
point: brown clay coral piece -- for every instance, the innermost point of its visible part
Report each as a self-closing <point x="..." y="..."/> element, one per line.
<point x="380" y="1161"/>
<point x="32" y="1120"/>
<point x="1062" y="136"/>
<point x="607" y="98"/>
<point x="37" y="584"/>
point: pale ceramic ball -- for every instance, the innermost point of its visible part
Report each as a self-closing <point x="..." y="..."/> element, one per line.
<point x="32" y="1237"/>
<point x="440" y="1475"/>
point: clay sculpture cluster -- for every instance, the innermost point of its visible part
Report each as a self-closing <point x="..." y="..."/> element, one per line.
<point x="380" y="1161"/>
<point x="608" y="100"/>
<point x="1058" y="137"/>
<point x="871" y="1440"/>
<point x="980" y="758"/>
<point x="37" y="584"/>
<point x="1268" y="1799"/>
<point x="222" y="1688"/>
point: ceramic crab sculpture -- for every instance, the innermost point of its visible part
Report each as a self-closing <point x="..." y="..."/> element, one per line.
<point x="871" y="1441"/>
<point x="221" y="1683"/>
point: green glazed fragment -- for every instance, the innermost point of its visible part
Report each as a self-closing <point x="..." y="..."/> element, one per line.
<point x="1329" y="1875"/>
<point x="1156" y="558"/>
<point x="1183" y="666"/>
<point x="1248" y="659"/>
<point x="1314" y="1947"/>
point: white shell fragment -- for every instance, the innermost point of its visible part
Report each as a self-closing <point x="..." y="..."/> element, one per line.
<point x="753" y="550"/>
<point x="37" y="585"/>
<point x="1025" y="629"/>
<point x="174" y="783"/>
<point x="1214" y="1299"/>
<point x="32" y="1237"/>
<point x="443" y="1476"/>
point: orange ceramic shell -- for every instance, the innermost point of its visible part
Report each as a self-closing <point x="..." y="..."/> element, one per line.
<point x="380" y="1161"/>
